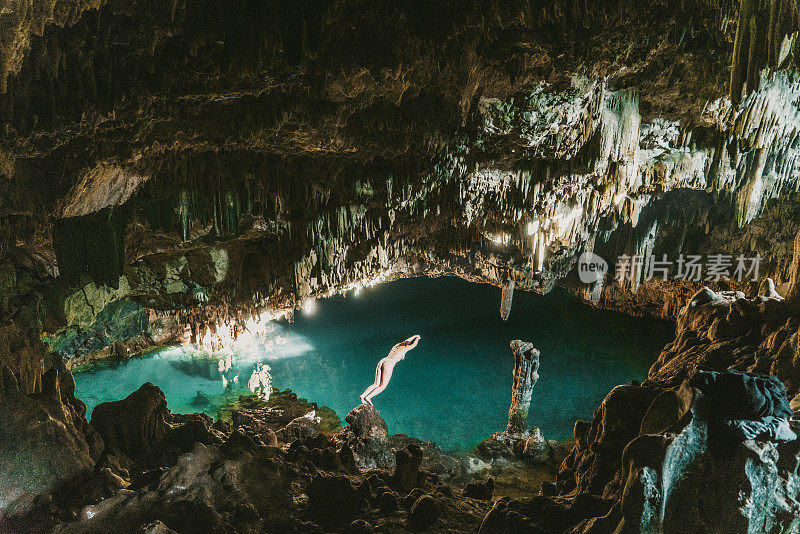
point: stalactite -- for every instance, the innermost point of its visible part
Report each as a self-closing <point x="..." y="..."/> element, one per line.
<point x="506" y="299"/>
<point x="763" y="27"/>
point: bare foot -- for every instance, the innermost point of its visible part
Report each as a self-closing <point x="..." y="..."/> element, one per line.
<point x="363" y="400"/>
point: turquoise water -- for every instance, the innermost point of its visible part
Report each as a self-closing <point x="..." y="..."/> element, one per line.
<point x="454" y="388"/>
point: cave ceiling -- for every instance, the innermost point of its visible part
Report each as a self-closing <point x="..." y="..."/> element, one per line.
<point x="198" y="154"/>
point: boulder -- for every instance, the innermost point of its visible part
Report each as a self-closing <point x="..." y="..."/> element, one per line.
<point x="407" y="475"/>
<point x="136" y="425"/>
<point x="306" y="426"/>
<point x="682" y="483"/>
<point x="503" y="518"/>
<point x="424" y="513"/>
<point x="535" y="448"/>
<point x="594" y="461"/>
<point x="366" y="422"/>
<point x="388" y="503"/>
<point x="359" y="526"/>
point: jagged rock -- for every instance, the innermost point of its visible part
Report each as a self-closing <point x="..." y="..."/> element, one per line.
<point x="136" y="425"/>
<point x="184" y="432"/>
<point x="156" y="527"/>
<point x="407" y="475"/>
<point x="424" y="513"/>
<point x="506" y="299"/>
<point x="366" y="422"/>
<point x="536" y="449"/>
<point x="302" y="427"/>
<point x="677" y="482"/>
<point x="502" y="519"/>
<point x="616" y="422"/>
<point x="368" y="439"/>
<point x="755" y="335"/>
<point x="767" y="289"/>
<point x="526" y="367"/>
<point x="42" y="447"/>
<point x="666" y="410"/>
<point x="389" y="503"/>
<point x="194" y="493"/>
<point x="142" y="428"/>
<point x="499" y="448"/>
<point x="517" y="441"/>
<point x="200" y="191"/>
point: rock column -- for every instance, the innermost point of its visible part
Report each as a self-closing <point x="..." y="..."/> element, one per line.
<point x="526" y="367"/>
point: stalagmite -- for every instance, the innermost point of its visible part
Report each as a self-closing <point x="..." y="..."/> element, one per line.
<point x="767" y="289"/>
<point x="526" y="367"/>
<point x="506" y="299"/>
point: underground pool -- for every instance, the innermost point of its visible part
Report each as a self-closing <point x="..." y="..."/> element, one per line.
<point x="454" y="388"/>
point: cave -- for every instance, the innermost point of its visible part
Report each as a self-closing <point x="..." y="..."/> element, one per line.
<point x="557" y="242"/>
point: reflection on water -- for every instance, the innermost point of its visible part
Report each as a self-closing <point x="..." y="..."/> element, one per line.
<point x="194" y="380"/>
<point x="454" y="388"/>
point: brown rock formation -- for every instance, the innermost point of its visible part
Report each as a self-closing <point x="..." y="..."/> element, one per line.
<point x="136" y="425"/>
<point x="526" y="373"/>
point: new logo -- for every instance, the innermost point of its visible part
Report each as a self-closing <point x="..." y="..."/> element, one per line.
<point x="591" y="268"/>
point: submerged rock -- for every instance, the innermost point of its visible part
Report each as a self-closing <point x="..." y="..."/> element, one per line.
<point x="200" y="400"/>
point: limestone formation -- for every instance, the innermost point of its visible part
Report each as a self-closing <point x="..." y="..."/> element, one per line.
<point x="44" y="449"/>
<point x="214" y="196"/>
<point x="136" y="425"/>
<point x="506" y="299"/>
<point x="183" y="171"/>
<point x="526" y="373"/>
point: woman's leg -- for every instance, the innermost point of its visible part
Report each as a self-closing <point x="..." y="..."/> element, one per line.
<point x="373" y="392"/>
<point x="367" y="392"/>
<point x="374" y="385"/>
<point x="385" y="376"/>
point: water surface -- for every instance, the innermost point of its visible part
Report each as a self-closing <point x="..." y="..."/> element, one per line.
<point x="454" y="388"/>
